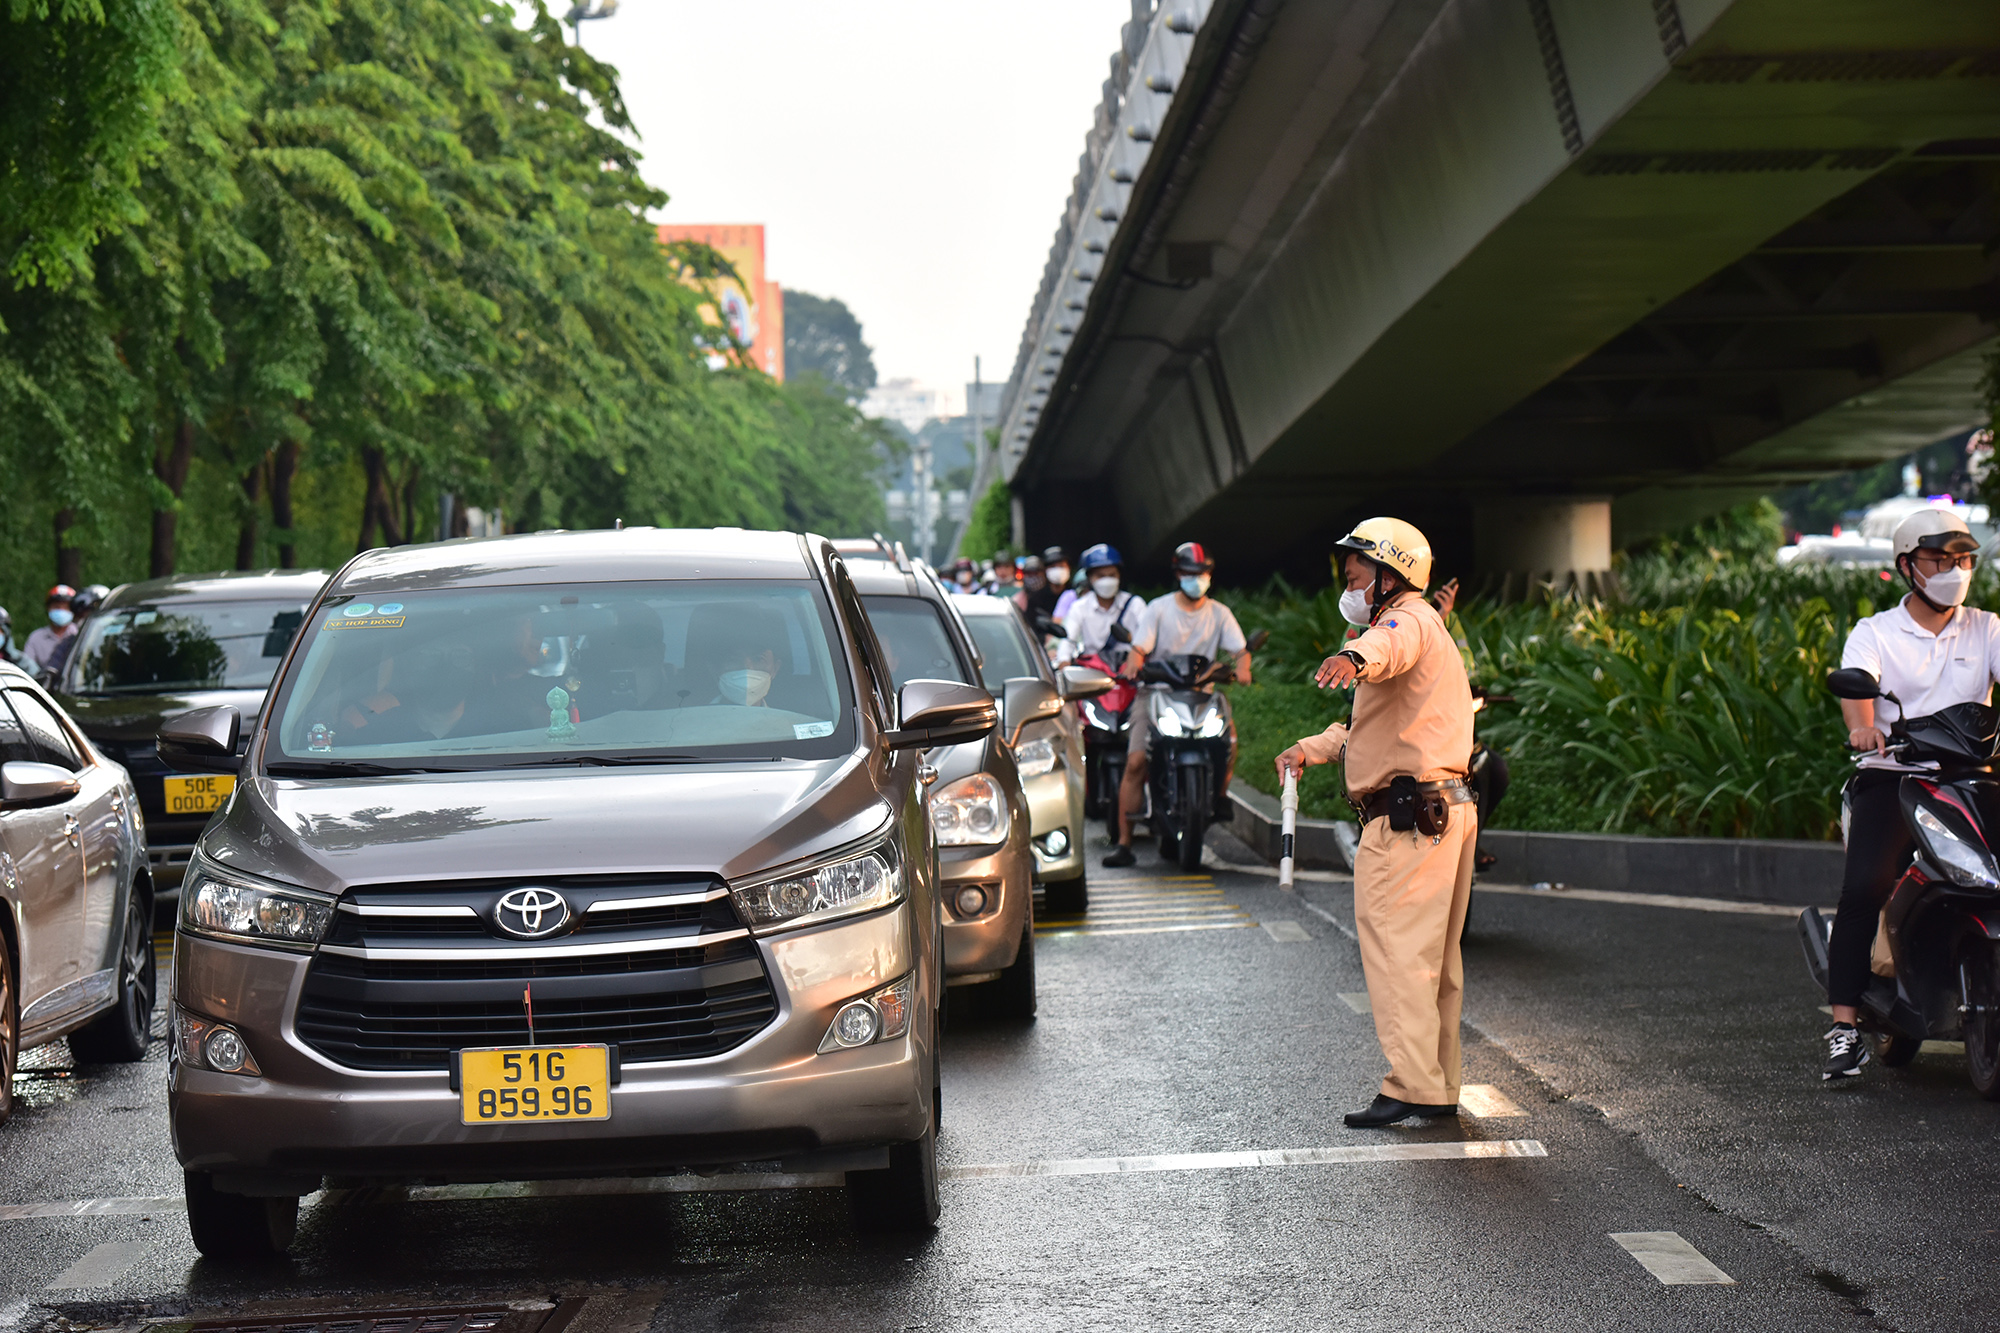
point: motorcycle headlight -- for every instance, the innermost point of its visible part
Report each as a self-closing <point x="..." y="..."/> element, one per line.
<point x="1213" y="725"/>
<point x="1968" y="866"/>
<point x="1170" y="724"/>
<point x="970" y="812"/>
<point x="840" y="888"/>
<point x="225" y="905"/>
<point x="1035" y="758"/>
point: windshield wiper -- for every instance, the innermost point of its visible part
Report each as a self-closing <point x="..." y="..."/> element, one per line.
<point x="343" y="768"/>
<point x="611" y="760"/>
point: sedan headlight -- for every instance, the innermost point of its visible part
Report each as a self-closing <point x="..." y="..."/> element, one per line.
<point x="1036" y="758"/>
<point x="970" y="812"/>
<point x="846" y="887"/>
<point x="219" y="903"/>
<point x="1966" y="865"/>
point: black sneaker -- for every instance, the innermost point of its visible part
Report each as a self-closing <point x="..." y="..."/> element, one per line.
<point x="1845" y="1053"/>
<point x="1121" y="855"/>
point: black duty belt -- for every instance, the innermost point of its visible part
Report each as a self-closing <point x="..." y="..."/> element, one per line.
<point x="1376" y="803"/>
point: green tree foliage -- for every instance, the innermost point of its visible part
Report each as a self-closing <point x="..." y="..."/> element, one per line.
<point x="991" y="525"/>
<point x="823" y="338"/>
<point x="367" y="252"/>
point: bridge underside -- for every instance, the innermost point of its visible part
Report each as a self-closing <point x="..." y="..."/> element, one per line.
<point x="1438" y="259"/>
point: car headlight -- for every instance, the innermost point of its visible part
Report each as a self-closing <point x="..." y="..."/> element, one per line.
<point x="219" y="903"/>
<point x="1966" y="865"/>
<point x="970" y="812"/>
<point x="845" y="887"/>
<point x="1169" y="723"/>
<point x="1213" y="725"/>
<point x="1035" y="758"/>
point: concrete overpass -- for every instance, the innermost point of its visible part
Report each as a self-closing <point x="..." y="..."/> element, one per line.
<point x="1547" y="276"/>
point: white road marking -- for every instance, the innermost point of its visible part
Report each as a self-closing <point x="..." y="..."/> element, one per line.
<point x="1286" y="932"/>
<point x="1063" y="932"/>
<point x="1487" y="1102"/>
<point x="1223" y="1161"/>
<point x="1671" y="1259"/>
<point x="1942" y="1048"/>
<point x="1357" y="1000"/>
<point x="102" y="1266"/>
<point x="1651" y="900"/>
<point x="121" y="1207"/>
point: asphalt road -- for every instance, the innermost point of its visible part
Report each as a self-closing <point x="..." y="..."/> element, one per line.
<point x="1162" y="1149"/>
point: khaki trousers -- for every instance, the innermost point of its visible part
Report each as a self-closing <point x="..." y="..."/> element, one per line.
<point x="1409" y="907"/>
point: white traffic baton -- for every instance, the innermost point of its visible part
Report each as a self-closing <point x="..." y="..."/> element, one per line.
<point x="1289" y="805"/>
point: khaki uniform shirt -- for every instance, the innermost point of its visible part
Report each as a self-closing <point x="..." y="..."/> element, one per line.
<point x="1412" y="709"/>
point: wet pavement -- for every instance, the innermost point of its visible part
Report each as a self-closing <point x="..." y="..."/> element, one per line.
<point x="1162" y="1149"/>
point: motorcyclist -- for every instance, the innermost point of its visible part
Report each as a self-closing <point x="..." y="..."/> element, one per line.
<point x="82" y="607"/>
<point x="964" y="576"/>
<point x="1055" y="563"/>
<point x="1036" y="595"/>
<point x="42" y="644"/>
<point x="1188" y="623"/>
<point x="1931" y="651"/>
<point x="1104" y="603"/>
<point x="7" y="648"/>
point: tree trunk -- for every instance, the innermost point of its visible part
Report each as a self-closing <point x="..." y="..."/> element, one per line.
<point x="378" y="505"/>
<point x="172" y="470"/>
<point x="69" y="559"/>
<point x="246" y="534"/>
<point x="284" y="466"/>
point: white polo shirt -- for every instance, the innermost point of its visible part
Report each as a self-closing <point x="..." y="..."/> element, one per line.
<point x="1927" y="672"/>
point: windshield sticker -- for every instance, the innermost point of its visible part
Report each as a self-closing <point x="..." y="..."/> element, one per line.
<point x="806" y="731"/>
<point x="320" y="739"/>
<point x="360" y="609"/>
<point x="347" y="620"/>
<point x="388" y="608"/>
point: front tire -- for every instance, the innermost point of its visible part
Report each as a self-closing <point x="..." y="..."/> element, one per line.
<point x="121" y="1033"/>
<point x="10" y="1031"/>
<point x="236" y="1227"/>
<point x="1981" y="961"/>
<point x="1066" y="897"/>
<point x="902" y="1198"/>
<point x="1014" y="991"/>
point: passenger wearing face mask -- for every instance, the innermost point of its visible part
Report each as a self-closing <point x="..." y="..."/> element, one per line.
<point x="1931" y="651"/>
<point x="44" y="646"/>
<point x="1188" y="623"/>
<point x="1102" y="604"/>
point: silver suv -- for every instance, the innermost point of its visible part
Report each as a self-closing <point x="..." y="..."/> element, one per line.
<point x="574" y="854"/>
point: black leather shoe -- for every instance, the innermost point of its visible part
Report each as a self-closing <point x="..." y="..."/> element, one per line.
<point x="1120" y="856"/>
<point x="1386" y="1110"/>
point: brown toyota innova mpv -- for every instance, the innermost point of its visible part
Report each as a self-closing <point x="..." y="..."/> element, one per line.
<point x="575" y="854"/>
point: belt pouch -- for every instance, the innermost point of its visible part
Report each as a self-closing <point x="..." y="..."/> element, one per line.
<point x="1433" y="814"/>
<point x="1403" y="802"/>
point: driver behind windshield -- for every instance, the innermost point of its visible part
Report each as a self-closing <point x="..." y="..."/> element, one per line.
<point x="746" y="658"/>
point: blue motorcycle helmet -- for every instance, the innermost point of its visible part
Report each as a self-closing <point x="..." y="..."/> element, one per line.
<point x="1102" y="556"/>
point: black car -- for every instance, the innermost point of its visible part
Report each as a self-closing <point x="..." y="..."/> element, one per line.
<point x="161" y="648"/>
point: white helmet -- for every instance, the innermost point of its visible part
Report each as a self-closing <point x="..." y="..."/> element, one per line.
<point x="1933" y="530"/>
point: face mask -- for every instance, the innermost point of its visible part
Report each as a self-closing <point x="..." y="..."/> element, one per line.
<point x="1195" y="586"/>
<point x="1035" y="581"/>
<point x="1106" y="587"/>
<point x="1059" y="576"/>
<point x="1948" y="587"/>
<point x="745" y="687"/>
<point x="60" y="618"/>
<point x="1354" y="606"/>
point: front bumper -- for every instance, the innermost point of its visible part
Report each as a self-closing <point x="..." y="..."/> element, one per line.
<point x="772" y="1097"/>
<point x="1052" y="809"/>
<point x="978" y="947"/>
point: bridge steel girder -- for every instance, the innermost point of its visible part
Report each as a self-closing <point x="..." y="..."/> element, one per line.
<point x="1672" y="252"/>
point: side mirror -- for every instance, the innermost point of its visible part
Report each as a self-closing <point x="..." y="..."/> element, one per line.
<point x="1082" y="682"/>
<point x="1045" y="624"/>
<point x="1853" y="683"/>
<point x="942" y="712"/>
<point x="24" y="784"/>
<point x="1026" y="699"/>
<point x="203" y="740"/>
<point x="1257" y="641"/>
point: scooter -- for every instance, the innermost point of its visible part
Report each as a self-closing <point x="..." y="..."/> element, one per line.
<point x="1943" y="917"/>
<point x="1187" y="755"/>
<point x="1107" y="728"/>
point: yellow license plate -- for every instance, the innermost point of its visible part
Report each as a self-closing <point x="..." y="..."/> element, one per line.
<point x="534" y="1084"/>
<point x="198" y="796"/>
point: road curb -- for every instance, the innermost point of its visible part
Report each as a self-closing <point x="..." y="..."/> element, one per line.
<point x="1767" y="870"/>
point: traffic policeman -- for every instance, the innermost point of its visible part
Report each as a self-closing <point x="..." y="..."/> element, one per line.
<point x="1405" y="754"/>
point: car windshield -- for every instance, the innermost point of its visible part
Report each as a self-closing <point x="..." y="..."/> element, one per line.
<point x="565" y="674"/>
<point x="912" y="635"/>
<point x="1004" y="644"/>
<point x="151" y="648"/>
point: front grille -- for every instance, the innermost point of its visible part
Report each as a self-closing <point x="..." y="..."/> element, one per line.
<point x="387" y="993"/>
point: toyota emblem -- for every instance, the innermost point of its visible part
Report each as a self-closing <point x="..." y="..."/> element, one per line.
<point x="531" y="913"/>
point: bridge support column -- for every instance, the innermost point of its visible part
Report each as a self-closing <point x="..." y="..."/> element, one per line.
<point x="1529" y="547"/>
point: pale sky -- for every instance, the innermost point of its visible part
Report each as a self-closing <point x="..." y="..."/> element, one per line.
<point x="910" y="157"/>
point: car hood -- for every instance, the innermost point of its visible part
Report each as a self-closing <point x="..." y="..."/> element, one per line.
<point x="137" y="717"/>
<point x="730" y="819"/>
